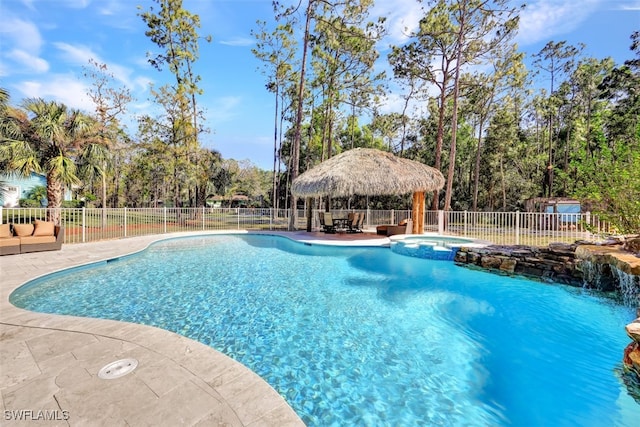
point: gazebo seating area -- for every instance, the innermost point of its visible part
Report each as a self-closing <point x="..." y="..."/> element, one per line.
<point x="368" y="172"/>
<point x="351" y="224"/>
<point x="404" y="227"/>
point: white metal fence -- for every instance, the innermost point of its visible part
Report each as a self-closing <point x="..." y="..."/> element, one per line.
<point x="523" y="228"/>
<point x="506" y="228"/>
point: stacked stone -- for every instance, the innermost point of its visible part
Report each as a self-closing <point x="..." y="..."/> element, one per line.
<point x="555" y="263"/>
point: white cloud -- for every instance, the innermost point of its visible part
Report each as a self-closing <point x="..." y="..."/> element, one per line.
<point x="403" y="17"/>
<point x="124" y="75"/>
<point x="543" y="19"/>
<point x="77" y="54"/>
<point x="63" y="88"/>
<point x="80" y="55"/>
<point x="391" y="103"/>
<point x="631" y="5"/>
<point x="111" y="7"/>
<point x="28" y="4"/>
<point x="238" y="41"/>
<point x="119" y="14"/>
<point x="78" y="4"/>
<point x="26" y="42"/>
<point x="21" y="34"/>
<point x="223" y="109"/>
<point x="30" y="62"/>
<point x="143" y="82"/>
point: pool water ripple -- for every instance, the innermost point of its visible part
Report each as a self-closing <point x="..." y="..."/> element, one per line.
<point x="363" y="336"/>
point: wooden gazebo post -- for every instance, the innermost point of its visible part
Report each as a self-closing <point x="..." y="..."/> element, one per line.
<point x="417" y="212"/>
<point x="309" y="213"/>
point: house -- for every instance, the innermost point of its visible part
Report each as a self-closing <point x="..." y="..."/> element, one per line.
<point x="568" y="210"/>
<point x="16" y="187"/>
<point x="235" y="201"/>
<point x="560" y="205"/>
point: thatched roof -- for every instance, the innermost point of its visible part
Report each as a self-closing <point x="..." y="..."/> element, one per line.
<point x="367" y="171"/>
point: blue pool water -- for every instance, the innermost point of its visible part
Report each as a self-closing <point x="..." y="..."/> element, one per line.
<point x="436" y="247"/>
<point x="364" y="336"/>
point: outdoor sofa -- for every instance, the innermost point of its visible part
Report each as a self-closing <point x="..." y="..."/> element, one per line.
<point x="35" y="237"/>
<point x="404" y="227"/>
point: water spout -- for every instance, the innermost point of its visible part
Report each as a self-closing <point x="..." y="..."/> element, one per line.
<point x="628" y="286"/>
<point x="608" y="277"/>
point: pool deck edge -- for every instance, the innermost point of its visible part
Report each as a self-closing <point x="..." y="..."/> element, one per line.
<point x="49" y="363"/>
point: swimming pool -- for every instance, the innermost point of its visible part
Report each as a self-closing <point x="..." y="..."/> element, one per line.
<point x="363" y="336"/>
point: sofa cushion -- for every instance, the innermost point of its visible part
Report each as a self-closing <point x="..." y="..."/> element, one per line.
<point x="5" y="231"/>
<point x="43" y="228"/>
<point x="9" y="241"/>
<point x="21" y="230"/>
<point x="34" y="240"/>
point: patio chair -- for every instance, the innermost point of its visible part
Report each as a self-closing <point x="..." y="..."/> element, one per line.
<point x="323" y="225"/>
<point x="327" y="222"/>
<point x="359" y="223"/>
<point x="352" y="222"/>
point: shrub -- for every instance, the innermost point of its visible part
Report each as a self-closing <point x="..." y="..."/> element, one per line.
<point x="29" y="203"/>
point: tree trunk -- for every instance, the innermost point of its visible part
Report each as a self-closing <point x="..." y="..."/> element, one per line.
<point x="295" y="155"/>
<point x="54" y="198"/>
<point x="275" y="153"/>
<point x="435" y="203"/>
<point x="454" y="119"/>
<point x="476" y="172"/>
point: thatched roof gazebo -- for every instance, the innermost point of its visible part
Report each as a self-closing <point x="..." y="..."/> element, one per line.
<point x="371" y="172"/>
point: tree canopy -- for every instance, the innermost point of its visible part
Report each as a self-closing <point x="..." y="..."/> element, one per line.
<point x="500" y="133"/>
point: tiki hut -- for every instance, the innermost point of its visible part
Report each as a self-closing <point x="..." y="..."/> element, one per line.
<point x="371" y="172"/>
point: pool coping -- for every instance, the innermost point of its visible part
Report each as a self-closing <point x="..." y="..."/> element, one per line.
<point x="50" y="362"/>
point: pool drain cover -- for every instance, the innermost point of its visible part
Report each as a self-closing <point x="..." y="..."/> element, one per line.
<point x="117" y="369"/>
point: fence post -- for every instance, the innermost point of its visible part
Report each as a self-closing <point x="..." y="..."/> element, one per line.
<point x="1" y="216"/>
<point x="440" y="222"/>
<point x="84" y="221"/>
<point x="165" y="219"/>
<point x="588" y="227"/>
<point x="125" y="221"/>
<point x="392" y="220"/>
<point x="517" y="227"/>
<point x="465" y="223"/>
<point x="203" y="214"/>
<point x="238" y="217"/>
<point x="368" y="217"/>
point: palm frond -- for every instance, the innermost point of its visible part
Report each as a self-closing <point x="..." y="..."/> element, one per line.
<point x="64" y="169"/>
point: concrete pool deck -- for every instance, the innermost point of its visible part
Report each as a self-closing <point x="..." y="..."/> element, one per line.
<point x="49" y="363"/>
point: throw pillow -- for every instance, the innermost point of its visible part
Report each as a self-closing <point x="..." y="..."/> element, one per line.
<point x="43" y="228"/>
<point x="5" y="231"/>
<point x="22" y="230"/>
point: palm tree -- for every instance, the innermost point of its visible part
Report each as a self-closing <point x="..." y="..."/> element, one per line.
<point x="5" y="129"/>
<point x="47" y="138"/>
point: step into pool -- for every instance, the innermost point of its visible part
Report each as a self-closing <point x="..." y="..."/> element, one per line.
<point x="436" y="247"/>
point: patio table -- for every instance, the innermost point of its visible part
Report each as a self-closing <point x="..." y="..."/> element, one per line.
<point x="340" y="223"/>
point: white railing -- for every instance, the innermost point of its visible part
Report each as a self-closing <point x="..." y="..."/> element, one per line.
<point x="524" y="228"/>
<point x="506" y="228"/>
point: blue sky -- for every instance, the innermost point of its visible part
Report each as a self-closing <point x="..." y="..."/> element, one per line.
<point x="44" y="45"/>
